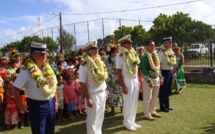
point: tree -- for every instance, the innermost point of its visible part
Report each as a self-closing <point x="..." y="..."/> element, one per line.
<point x="68" y="40"/>
<point x="24" y="44"/>
<point x="138" y="34"/>
<point x="159" y="28"/>
<point x="182" y="28"/>
<point x="122" y="31"/>
<point x="26" y="41"/>
<point x="51" y="44"/>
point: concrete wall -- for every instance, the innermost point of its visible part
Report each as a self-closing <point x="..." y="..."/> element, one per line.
<point x="199" y="77"/>
<point x="195" y="74"/>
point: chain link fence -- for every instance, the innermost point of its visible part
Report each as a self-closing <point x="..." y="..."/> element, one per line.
<point x="100" y="28"/>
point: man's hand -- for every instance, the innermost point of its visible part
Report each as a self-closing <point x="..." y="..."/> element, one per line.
<point x="161" y="81"/>
<point x="124" y="90"/>
<point x="56" y="106"/>
<point x="89" y="103"/>
<point x="150" y="85"/>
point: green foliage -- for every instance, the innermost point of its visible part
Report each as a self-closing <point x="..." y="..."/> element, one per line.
<point x="51" y="44"/>
<point x="68" y="40"/>
<point x="182" y="28"/>
<point x="24" y="44"/>
<point x="138" y="34"/>
<point x="122" y="31"/>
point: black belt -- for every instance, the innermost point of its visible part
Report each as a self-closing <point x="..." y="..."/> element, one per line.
<point x="39" y="101"/>
<point x="153" y="77"/>
<point x="165" y="70"/>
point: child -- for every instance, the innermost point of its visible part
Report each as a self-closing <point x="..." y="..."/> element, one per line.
<point x="1" y="93"/>
<point x="69" y="93"/>
<point x="79" y="97"/>
<point x="22" y="114"/>
<point x="140" y="80"/>
<point x="60" y="90"/>
<point x="11" y="110"/>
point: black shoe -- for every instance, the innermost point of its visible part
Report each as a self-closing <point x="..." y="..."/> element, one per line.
<point x="170" y="108"/>
<point x="165" y="110"/>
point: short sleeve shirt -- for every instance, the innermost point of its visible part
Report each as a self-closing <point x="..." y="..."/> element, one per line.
<point x="85" y="77"/>
<point x="25" y="80"/>
<point x="163" y="60"/>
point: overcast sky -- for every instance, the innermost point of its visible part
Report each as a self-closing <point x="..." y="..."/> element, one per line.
<point x="19" y="18"/>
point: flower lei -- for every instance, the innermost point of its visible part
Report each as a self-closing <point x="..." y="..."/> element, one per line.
<point x="170" y="55"/>
<point x="155" y="66"/>
<point x="130" y="56"/>
<point x="45" y="80"/>
<point x="97" y="68"/>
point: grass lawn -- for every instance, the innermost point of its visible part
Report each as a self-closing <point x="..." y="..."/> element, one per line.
<point x="194" y="113"/>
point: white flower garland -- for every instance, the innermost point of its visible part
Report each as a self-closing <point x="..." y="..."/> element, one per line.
<point x="130" y="57"/>
<point x="169" y="54"/>
<point x="45" y="79"/>
<point x="155" y="66"/>
<point x="97" y="68"/>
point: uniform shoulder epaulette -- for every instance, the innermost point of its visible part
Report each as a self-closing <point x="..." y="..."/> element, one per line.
<point x="84" y="63"/>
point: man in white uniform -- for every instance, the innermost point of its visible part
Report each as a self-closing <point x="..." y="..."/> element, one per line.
<point x="93" y="73"/>
<point x="126" y="65"/>
<point x="39" y="82"/>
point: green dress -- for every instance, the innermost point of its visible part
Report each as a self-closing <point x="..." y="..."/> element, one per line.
<point x="180" y="78"/>
<point x="113" y="87"/>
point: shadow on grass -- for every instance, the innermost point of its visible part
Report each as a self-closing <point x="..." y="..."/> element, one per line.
<point x="112" y="123"/>
<point x="210" y="129"/>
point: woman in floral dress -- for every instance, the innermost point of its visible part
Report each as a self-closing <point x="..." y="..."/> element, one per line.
<point x="113" y="87"/>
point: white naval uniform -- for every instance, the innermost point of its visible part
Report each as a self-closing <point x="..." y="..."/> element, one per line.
<point x="95" y="114"/>
<point x="131" y="98"/>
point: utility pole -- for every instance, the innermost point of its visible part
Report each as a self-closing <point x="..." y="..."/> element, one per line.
<point x="61" y="34"/>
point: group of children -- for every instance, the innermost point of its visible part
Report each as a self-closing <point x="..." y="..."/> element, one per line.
<point x="70" y="99"/>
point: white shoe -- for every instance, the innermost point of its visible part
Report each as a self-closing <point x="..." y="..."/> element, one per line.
<point x="136" y="126"/>
<point x="131" y="128"/>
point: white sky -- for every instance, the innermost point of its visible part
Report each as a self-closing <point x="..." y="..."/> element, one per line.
<point x="19" y="15"/>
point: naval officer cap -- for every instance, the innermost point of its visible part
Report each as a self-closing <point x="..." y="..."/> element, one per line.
<point x="91" y="44"/>
<point x="167" y="39"/>
<point x="139" y="48"/>
<point x="38" y="47"/>
<point x="125" y="39"/>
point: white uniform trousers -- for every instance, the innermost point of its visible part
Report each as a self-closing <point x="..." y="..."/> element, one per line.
<point x="95" y="115"/>
<point x="130" y="101"/>
<point x="150" y="96"/>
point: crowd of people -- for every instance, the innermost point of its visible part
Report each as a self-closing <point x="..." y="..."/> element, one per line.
<point x="35" y="89"/>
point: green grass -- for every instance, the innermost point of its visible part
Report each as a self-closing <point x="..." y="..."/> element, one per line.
<point x="194" y="113"/>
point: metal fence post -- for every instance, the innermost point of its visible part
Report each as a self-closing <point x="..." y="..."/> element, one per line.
<point x="75" y="37"/>
<point x="103" y="31"/>
<point x="88" y="31"/>
<point x="211" y="54"/>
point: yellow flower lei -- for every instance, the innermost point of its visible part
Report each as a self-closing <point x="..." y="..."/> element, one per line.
<point x="130" y="56"/>
<point x="45" y="79"/>
<point x="157" y="61"/>
<point x="170" y="55"/>
<point x="97" y="68"/>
